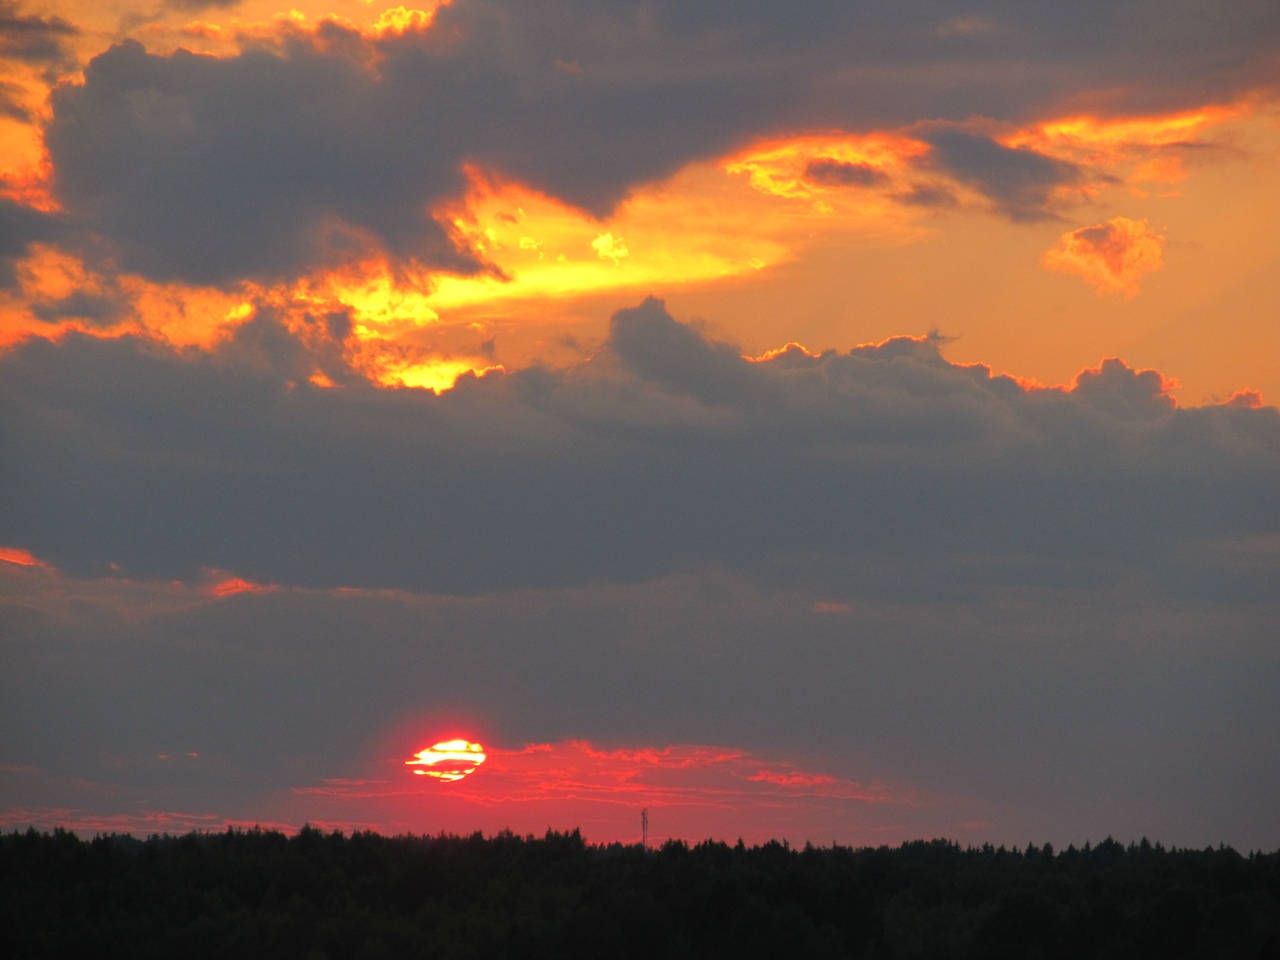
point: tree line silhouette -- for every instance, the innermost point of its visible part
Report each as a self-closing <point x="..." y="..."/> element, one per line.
<point x="258" y="893"/>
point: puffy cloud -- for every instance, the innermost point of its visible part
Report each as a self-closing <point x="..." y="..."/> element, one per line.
<point x="1111" y="256"/>
<point x="1124" y="392"/>
<point x="1245" y="398"/>
<point x="257" y="166"/>
<point x="664" y="452"/>
<point x="675" y="356"/>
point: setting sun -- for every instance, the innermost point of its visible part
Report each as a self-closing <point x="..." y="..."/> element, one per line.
<point x="449" y="760"/>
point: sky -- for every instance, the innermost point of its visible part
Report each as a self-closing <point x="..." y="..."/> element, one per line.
<point x="835" y="421"/>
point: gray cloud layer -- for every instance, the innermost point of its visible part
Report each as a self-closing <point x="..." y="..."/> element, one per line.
<point x="1064" y="712"/>
<point x="290" y="154"/>
<point x="665" y="452"/>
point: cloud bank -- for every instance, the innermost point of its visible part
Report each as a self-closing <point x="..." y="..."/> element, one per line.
<point x="666" y="451"/>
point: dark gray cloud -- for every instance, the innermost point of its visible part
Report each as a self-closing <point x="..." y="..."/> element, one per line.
<point x="933" y="195"/>
<point x="30" y="38"/>
<point x="262" y="166"/>
<point x="267" y="163"/>
<point x="665" y="452"/>
<point x="97" y="309"/>
<point x="21" y="226"/>
<point x="200" y="4"/>
<point x="838" y="173"/>
<point x="11" y="101"/>
<point x="1018" y="181"/>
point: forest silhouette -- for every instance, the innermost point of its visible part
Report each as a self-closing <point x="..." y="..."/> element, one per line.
<point x="315" y="895"/>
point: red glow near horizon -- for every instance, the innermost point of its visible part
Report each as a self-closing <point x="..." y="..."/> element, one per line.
<point x="693" y="791"/>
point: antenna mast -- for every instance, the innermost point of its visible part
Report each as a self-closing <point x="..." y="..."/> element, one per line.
<point x="644" y="828"/>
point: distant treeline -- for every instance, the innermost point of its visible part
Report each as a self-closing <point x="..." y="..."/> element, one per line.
<point x="315" y="895"/>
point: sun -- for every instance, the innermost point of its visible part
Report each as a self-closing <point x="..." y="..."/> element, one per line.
<point x="449" y="760"/>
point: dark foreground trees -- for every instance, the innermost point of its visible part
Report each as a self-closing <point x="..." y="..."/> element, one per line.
<point x="262" y="894"/>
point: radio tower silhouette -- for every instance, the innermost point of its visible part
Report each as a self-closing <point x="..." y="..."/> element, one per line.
<point x="644" y="828"/>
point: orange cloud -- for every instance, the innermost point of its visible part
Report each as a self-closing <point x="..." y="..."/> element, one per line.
<point x="810" y="166"/>
<point x="41" y="585"/>
<point x="884" y="167"/>
<point x="233" y="585"/>
<point x="698" y="226"/>
<point x="1150" y="147"/>
<point x="1109" y="256"/>
<point x="21" y="558"/>
<point x="433" y="373"/>
<point x="401" y="20"/>
<point x="711" y="222"/>
<point x="58" y="292"/>
<point x="393" y="22"/>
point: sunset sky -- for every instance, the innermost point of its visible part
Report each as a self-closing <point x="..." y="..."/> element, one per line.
<point x="839" y="420"/>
